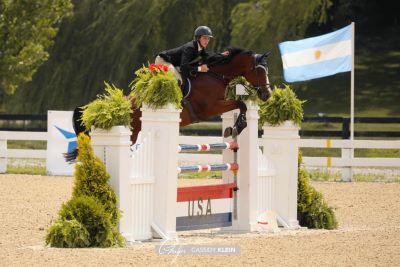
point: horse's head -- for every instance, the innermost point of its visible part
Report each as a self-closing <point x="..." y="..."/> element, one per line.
<point x="245" y="63"/>
<point x="256" y="73"/>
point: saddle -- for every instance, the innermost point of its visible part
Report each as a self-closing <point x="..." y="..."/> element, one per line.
<point x="186" y="88"/>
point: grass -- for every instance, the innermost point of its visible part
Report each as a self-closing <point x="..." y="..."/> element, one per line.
<point x="376" y="178"/>
<point x="34" y="170"/>
<point x="359" y="153"/>
<point x="27" y="166"/>
<point x="14" y="144"/>
<point x="201" y="175"/>
<point x="359" y="175"/>
<point x="205" y="126"/>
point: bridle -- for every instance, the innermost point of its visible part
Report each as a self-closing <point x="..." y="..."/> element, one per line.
<point x="259" y="85"/>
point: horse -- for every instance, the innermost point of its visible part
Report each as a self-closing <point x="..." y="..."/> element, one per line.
<point x="207" y="96"/>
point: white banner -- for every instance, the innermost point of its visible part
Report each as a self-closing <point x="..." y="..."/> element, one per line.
<point x="61" y="139"/>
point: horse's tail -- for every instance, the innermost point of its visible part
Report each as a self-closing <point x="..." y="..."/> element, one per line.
<point x="70" y="157"/>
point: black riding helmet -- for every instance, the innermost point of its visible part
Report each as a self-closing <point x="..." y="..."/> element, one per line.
<point x="203" y="31"/>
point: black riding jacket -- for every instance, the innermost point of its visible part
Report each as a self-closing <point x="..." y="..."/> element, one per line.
<point x="184" y="57"/>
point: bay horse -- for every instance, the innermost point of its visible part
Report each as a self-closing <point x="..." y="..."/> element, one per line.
<point x="207" y="97"/>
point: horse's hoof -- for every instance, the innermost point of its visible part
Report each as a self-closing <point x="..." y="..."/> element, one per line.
<point x="228" y="132"/>
<point x="235" y="132"/>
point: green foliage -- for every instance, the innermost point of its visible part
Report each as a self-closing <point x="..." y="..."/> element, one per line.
<point x="67" y="234"/>
<point x="283" y="105"/>
<point x="156" y="88"/>
<point x="27" y="29"/>
<point x="90" y="218"/>
<point x="108" y="110"/>
<point x="313" y="211"/>
<point x="91" y="179"/>
<point x="91" y="214"/>
<point x="104" y="41"/>
<point x="231" y="90"/>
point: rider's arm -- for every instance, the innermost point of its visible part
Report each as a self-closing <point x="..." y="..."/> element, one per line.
<point x="187" y="55"/>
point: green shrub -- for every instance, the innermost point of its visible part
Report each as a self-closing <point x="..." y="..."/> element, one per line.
<point x="312" y="210"/>
<point x="67" y="234"/>
<point x="91" y="214"/>
<point x="90" y="218"/>
<point x="108" y="110"/>
<point x="283" y="105"/>
<point x="91" y="179"/>
<point x="155" y="87"/>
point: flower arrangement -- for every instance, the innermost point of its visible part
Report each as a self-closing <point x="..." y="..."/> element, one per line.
<point x="156" y="86"/>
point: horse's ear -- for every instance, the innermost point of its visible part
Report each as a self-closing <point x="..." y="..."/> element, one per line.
<point x="265" y="55"/>
<point x="261" y="59"/>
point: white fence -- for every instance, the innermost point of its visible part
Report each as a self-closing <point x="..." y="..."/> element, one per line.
<point x="6" y="153"/>
<point x="346" y="161"/>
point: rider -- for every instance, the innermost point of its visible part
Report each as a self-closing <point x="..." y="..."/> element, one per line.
<point x="189" y="57"/>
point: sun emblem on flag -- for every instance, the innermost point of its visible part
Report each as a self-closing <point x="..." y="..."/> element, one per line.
<point x="317" y="54"/>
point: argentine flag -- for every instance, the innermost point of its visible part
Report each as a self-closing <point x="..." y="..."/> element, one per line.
<point x="317" y="57"/>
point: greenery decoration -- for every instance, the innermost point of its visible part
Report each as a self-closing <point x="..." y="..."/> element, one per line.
<point x="90" y="218"/>
<point x="156" y="87"/>
<point x="312" y="209"/>
<point x="108" y="110"/>
<point x="230" y="93"/>
<point x="68" y="234"/>
<point x="283" y="105"/>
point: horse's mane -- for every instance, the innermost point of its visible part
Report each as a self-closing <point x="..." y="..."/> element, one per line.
<point x="219" y="59"/>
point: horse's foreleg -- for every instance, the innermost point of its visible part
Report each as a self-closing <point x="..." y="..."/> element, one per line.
<point x="228" y="105"/>
<point x="241" y="121"/>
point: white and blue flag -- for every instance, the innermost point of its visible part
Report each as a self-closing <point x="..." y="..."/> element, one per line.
<point x="317" y="57"/>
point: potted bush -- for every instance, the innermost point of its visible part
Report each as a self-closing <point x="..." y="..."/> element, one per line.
<point x="108" y="110"/>
<point x="282" y="108"/>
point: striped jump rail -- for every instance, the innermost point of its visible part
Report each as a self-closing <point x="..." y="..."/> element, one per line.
<point x="208" y="168"/>
<point x="207" y="147"/>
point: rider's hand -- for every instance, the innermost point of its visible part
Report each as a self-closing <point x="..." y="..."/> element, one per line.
<point x="225" y="53"/>
<point x="203" y="68"/>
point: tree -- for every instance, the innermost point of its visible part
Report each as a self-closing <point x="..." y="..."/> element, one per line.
<point x="108" y="41"/>
<point x="27" y="29"/>
<point x="90" y="218"/>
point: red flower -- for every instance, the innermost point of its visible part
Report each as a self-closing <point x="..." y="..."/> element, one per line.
<point x="158" y="67"/>
<point x="152" y="67"/>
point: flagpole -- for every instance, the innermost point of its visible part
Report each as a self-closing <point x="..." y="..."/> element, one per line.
<point x="352" y="85"/>
<point x="347" y="173"/>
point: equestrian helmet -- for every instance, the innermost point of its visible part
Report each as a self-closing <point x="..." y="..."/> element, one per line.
<point x="203" y="31"/>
